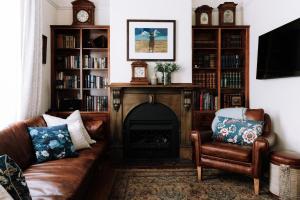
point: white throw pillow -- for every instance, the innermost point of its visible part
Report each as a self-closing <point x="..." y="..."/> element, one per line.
<point x="4" y="195"/>
<point x="77" y="137"/>
<point x="75" y="116"/>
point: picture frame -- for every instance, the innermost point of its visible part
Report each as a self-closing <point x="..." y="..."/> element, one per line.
<point x="44" y="50"/>
<point x="236" y="101"/>
<point x="151" y="40"/>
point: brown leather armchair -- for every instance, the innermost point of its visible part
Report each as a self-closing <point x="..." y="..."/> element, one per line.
<point x="232" y="157"/>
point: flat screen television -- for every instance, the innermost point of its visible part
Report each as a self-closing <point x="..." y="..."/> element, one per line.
<point x="279" y="52"/>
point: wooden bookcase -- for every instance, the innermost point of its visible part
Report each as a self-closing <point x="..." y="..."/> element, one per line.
<point x="80" y="69"/>
<point x="220" y="71"/>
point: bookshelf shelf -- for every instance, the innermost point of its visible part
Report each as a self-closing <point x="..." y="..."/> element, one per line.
<point x="220" y="58"/>
<point x="204" y="68"/>
<point x="80" y="57"/>
<point x="96" y="49"/>
<point x="94" y="69"/>
<point x="68" y="49"/>
<point x="212" y="48"/>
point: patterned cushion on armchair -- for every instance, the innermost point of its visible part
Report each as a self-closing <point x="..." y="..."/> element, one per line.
<point x="237" y="131"/>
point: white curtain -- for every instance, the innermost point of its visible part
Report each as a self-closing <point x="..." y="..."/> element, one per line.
<point x="31" y="59"/>
<point x="21" y="64"/>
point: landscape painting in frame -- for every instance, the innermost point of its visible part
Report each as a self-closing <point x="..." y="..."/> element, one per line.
<point x="151" y="40"/>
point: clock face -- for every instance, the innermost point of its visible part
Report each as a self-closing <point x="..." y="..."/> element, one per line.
<point x="228" y="16"/>
<point x="204" y="18"/>
<point x="82" y="16"/>
<point x="139" y="72"/>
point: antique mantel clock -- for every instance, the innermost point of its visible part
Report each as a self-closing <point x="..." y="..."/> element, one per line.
<point x="203" y="15"/>
<point x="139" y="73"/>
<point x="227" y="13"/>
<point x="83" y="12"/>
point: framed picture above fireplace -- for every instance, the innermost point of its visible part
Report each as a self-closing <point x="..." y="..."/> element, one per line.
<point x="151" y="40"/>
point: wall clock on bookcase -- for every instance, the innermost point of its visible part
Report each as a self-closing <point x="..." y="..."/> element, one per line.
<point x="139" y="73"/>
<point x="203" y="15"/>
<point x="83" y="12"/>
<point x="227" y="13"/>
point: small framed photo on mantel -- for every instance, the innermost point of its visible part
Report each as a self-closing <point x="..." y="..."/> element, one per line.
<point x="151" y="40"/>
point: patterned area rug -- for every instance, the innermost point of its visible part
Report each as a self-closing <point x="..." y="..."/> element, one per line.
<point x="182" y="184"/>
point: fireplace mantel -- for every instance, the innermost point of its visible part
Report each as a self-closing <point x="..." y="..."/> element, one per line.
<point x="174" y="85"/>
<point x="186" y="89"/>
<point x="125" y="97"/>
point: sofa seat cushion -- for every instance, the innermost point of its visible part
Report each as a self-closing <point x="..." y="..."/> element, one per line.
<point x="62" y="179"/>
<point x="228" y="151"/>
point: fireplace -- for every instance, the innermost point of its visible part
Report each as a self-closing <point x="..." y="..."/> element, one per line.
<point x="150" y="122"/>
<point x="151" y="132"/>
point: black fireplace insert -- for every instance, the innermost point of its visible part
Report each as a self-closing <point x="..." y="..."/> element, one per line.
<point x="151" y="132"/>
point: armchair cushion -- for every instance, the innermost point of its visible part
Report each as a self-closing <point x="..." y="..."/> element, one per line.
<point x="236" y="113"/>
<point x="243" y="132"/>
<point x="228" y="151"/>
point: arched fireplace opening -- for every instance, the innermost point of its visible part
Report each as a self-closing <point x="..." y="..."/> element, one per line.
<point x="151" y="132"/>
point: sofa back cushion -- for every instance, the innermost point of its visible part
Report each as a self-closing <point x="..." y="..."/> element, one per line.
<point x="16" y="143"/>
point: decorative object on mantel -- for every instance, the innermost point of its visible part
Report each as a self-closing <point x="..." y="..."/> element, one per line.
<point x="139" y="73"/>
<point x="166" y="69"/>
<point x="83" y="12"/>
<point x="227" y="13"/>
<point x="153" y="79"/>
<point x="203" y="15"/>
<point x="151" y="40"/>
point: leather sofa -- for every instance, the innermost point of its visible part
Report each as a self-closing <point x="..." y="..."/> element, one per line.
<point x="235" y="158"/>
<point x="67" y="178"/>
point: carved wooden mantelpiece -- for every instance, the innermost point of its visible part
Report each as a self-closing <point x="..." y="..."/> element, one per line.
<point x="126" y="97"/>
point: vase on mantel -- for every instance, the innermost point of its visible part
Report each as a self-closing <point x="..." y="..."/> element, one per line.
<point x="166" y="78"/>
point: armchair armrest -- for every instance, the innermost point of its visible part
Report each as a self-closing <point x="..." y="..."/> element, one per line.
<point x="198" y="138"/>
<point x="260" y="148"/>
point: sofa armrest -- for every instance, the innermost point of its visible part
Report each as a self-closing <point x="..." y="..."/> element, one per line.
<point x="95" y="129"/>
<point x="199" y="138"/>
<point x="260" y="148"/>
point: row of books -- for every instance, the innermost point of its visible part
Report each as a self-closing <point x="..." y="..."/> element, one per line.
<point x="205" y="80"/>
<point x="94" y="62"/>
<point x="232" y="41"/>
<point x="231" y="61"/>
<point x="233" y="100"/>
<point x="67" y="82"/>
<point x="68" y="62"/>
<point x="205" y="101"/>
<point x="205" y="43"/>
<point x="231" y="80"/>
<point x="205" y="61"/>
<point x="96" y="103"/>
<point x="67" y="41"/>
<point x="92" y="81"/>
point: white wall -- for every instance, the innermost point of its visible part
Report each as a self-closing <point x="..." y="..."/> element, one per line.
<point x="65" y="14"/>
<point x="49" y="18"/>
<point x="178" y="10"/>
<point x="279" y="97"/>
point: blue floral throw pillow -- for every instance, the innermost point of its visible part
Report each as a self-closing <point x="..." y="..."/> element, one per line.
<point x="12" y="179"/>
<point x="51" y="143"/>
<point x="243" y="132"/>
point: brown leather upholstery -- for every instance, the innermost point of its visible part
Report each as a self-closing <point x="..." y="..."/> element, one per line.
<point x="66" y="178"/>
<point x="16" y="142"/>
<point x="231" y="157"/>
<point x="95" y="129"/>
<point x="62" y="178"/>
<point x="227" y="151"/>
<point x="255" y="114"/>
<point x="286" y="158"/>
